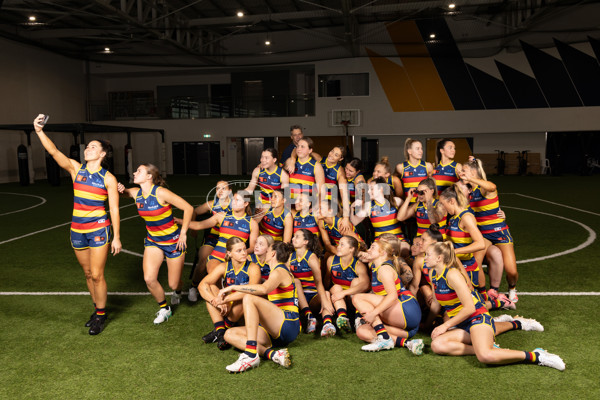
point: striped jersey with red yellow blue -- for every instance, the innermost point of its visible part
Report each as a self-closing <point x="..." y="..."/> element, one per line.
<point x="486" y="212"/>
<point x="89" y="195"/>
<point x="273" y="225"/>
<point x="422" y="217"/>
<point x="216" y="207"/>
<point x="333" y="230"/>
<point x="461" y="238"/>
<point x="268" y="182"/>
<point x="301" y="270"/>
<point x="379" y="289"/>
<point x="352" y="186"/>
<point x="285" y="297"/>
<point x="308" y="222"/>
<point x="160" y="224"/>
<point x="331" y="176"/>
<point x="302" y="180"/>
<point x="412" y="175"/>
<point x="445" y="175"/>
<point x="448" y="298"/>
<point x="343" y="275"/>
<point x="383" y="219"/>
<point x="265" y="269"/>
<point x="231" y="277"/>
<point x="230" y="227"/>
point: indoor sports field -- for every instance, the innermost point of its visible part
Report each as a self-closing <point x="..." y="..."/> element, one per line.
<point x="47" y="352"/>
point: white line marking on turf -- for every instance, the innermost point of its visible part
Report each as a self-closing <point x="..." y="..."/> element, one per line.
<point x="591" y="237"/>
<point x="24" y="209"/>
<point x="556" y="204"/>
<point x="184" y="292"/>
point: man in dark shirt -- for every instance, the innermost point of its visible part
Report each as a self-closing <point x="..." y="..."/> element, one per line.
<point x="296" y="134"/>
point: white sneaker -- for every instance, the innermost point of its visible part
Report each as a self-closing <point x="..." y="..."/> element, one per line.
<point x="529" y="324"/>
<point x="311" y="325"/>
<point x="379" y="344"/>
<point x="328" y="330"/>
<point x="282" y="357"/>
<point x="415" y="346"/>
<point x="503" y="318"/>
<point x="193" y="294"/>
<point x="550" y="360"/>
<point x="175" y="299"/>
<point x="163" y="315"/>
<point x="512" y="295"/>
<point x="243" y="363"/>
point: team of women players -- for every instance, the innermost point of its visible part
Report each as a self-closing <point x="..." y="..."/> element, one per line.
<point x="323" y="247"/>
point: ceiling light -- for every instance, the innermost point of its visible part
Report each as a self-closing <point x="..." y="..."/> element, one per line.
<point x="451" y="6"/>
<point x="107" y="49"/>
<point x="432" y="36"/>
<point x="32" y="18"/>
<point x="267" y="42"/>
<point x="240" y="14"/>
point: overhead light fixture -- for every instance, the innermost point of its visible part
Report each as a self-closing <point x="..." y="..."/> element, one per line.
<point x="32" y="18"/>
<point x="452" y="6"/>
<point x="267" y="42"/>
<point x="107" y="49"/>
<point x="240" y="14"/>
<point x="432" y="36"/>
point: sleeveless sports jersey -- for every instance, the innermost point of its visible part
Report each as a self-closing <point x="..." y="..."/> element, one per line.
<point x="302" y="180"/>
<point x="333" y="230"/>
<point x="230" y="277"/>
<point x="89" y="195"/>
<point x="216" y="207"/>
<point x="460" y="239"/>
<point x="285" y="297"/>
<point x="486" y="212"/>
<point x="447" y="297"/>
<point x="331" y="175"/>
<point x="308" y="222"/>
<point x="445" y="175"/>
<point x="160" y="225"/>
<point x="272" y="224"/>
<point x="379" y="289"/>
<point x="301" y="270"/>
<point x="230" y="227"/>
<point x="268" y="182"/>
<point x="412" y="175"/>
<point x="383" y="219"/>
<point x="422" y="217"/>
<point x="265" y="270"/>
<point x="352" y="187"/>
<point x="343" y="275"/>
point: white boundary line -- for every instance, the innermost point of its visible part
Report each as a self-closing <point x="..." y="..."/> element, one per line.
<point x="23" y="209"/>
<point x="169" y="293"/>
<point x="591" y="237"/>
<point x="556" y="204"/>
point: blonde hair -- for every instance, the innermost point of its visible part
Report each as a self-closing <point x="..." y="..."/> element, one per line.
<point x="446" y="250"/>
<point x="232" y="241"/>
<point x="477" y="166"/>
<point x="390" y="244"/>
<point x="268" y="238"/>
<point x="407" y="145"/>
<point x="454" y="192"/>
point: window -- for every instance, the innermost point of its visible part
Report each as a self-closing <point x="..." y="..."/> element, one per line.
<point x="339" y="85"/>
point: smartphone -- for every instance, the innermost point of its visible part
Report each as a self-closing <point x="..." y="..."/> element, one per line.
<point x="46" y="117"/>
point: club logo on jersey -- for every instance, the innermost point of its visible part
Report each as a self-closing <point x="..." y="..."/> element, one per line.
<point x="228" y="223"/>
<point x="297" y="223"/>
<point x="337" y="274"/>
<point x="139" y="205"/>
<point x="230" y="281"/>
<point x="80" y="178"/>
<point x="408" y="173"/>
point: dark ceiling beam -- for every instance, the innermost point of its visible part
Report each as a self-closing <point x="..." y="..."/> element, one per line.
<point x="350" y="28"/>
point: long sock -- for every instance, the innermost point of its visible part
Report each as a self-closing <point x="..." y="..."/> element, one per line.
<point x="306" y="312"/>
<point x="101" y="312"/>
<point x="327" y="319"/>
<point x="531" y="357"/>
<point x="401" y="342"/>
<point x="483" y="293"/>
<point x="269" y="353"/>
<point x="516" y="325"/>
<point x="228" y="323"/>
<point x="220" y="325"/>
<point x="341" y="312"/>
<point x="496" y="304"/>
<point x="163" y="304"/>
<point x="250" y="348"/>
<point x="381" y="331"/>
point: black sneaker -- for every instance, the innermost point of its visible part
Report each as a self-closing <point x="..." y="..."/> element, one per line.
<point x="89" y="323"/>
<point x="221" y="343"/>
<point x="97" y="325"/>
<point x="210" y="337"/>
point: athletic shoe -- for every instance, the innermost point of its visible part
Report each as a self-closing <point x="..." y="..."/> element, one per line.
<point x="508" y="304"/>
<point x="343" y="323"/>
<point x="193" y="294"/>
<point x="379" y="344"/>
<point x="311" y="325"/>
<point x="550" y="360"/>
<point x="328" y="330"/>
<point x="492" y="294"/>
<point x="89" y="323"/>
<point x="503" y="318"/>
<point x="175" y="298"/>
<point x="163" y="315"/>
<point x="243" y="363"/>
<point x="97" y="325"/>
<point x="358" y="322"/>
<point x="210" y="337"/>
<point x="282" y="357"/>
<point x="529" y="324"/>
<point x="221" y="342"/>
<point x="415" y="346"/>
<point x="512" y="295"/>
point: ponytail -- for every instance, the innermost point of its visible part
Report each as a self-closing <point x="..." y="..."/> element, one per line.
<point x="283" y="250"/>
<point x="357" y="245"/>
<point x="391" y="245"/>
<point x="157" y="178"/>
<point x="446" y="250"/>
<point x="454" y="192"/>
<point x="313" y="244"/>
<point x="477" y="166"/>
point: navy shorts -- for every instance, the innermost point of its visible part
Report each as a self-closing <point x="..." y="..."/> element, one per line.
<point x="485" y="319"/>
<point x="499" y="237"/>
<point x="99" y="238"/>
<point x="412" y="316"/>
<point x="289" y="330"/>
<point x="170" y="251"/>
